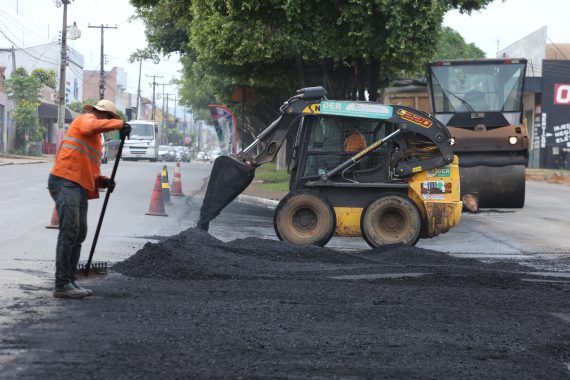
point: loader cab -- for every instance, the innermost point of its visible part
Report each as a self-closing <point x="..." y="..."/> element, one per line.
<point x="323" y="142"/>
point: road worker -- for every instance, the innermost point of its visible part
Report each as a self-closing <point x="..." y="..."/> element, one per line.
<point x="75" y="178"/>
<point x="354" y="142"/>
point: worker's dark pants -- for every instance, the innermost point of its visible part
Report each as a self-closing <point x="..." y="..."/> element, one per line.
<point x="71" y="204"/>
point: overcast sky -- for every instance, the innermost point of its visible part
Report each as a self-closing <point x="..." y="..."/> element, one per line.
<point x="505" y="22"/>
<point x="35" y="22"/>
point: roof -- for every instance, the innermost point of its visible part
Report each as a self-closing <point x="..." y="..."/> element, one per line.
<point x="557" y="51"/>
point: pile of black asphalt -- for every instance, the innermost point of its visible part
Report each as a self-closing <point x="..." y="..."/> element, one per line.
<point x="192" y="306"/>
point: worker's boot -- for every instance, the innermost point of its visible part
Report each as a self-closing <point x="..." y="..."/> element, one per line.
<point x="78" y="287"/>
<point x="69" y="291"/>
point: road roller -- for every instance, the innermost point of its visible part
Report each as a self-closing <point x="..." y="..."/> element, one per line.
<point x="481" y="103"/>
<point x="386" y="173"/>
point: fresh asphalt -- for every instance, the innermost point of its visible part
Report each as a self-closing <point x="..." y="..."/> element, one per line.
<point x="263" y="310"/>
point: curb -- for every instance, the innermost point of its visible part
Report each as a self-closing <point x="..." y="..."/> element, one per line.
<point x="12" y="159"/>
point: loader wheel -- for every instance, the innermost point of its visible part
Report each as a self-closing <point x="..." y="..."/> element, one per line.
<point x="304" y="219"/>
<point x="391" y="219"/>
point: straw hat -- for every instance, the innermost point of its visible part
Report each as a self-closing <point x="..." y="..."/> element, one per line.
<point x="104" y="105"/>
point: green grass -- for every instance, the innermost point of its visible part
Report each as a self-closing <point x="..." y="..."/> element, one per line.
<point x="273" y="179"/>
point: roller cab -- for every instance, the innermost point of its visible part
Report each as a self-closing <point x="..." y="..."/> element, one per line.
<point x="481" y="103"/>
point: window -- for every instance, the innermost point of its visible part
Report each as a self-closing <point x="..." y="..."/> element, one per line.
<point x="332" y="141"/>
<point x="477" y="88"/>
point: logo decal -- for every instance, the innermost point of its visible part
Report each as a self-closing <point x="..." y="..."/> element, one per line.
<point x="314" y="108"/>
<point x="444" y="171"/>
<point x="416" y="119"/>
<point x="561" y="93"/>
<point x="436" y="187"/>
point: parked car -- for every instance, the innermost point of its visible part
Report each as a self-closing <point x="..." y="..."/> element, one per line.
<point x="182" y="154"/>
<point x="166" y="153"/>
<point x="203" y="156"/>
<point x="187" y="153"/>
<point x="215" y="154"/>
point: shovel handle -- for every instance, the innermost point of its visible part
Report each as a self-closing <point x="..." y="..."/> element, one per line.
<point x="107" y="194"/>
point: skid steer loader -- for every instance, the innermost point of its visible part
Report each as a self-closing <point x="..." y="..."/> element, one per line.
<point x="383" y="172"/>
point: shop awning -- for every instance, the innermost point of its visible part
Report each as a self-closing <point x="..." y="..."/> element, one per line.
<point x="49" y="111"/>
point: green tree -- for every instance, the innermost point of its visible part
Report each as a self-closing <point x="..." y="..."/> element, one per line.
<point x="175" y="136"/>
<point x="24" y="89"/>
<point x="29" y="130"/>
<point x="78" y="105"/>
<point x="451" y="45"/>
<point x="353" y="47"/>
<point x="46" y="77"/>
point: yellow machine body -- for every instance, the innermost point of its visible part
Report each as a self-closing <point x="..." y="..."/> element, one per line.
<point x="436" y="193"/>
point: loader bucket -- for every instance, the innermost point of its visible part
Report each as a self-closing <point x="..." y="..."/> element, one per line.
<point x="229" y="178"/>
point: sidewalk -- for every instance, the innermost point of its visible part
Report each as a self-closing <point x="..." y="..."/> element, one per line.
<point x="10" y="159"/>
<point x="548" y="175"/>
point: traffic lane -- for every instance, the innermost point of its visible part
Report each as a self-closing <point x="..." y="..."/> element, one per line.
<point x="490" y="235"/>
<point x="27" y="248"/>
<point x="126" y="227"/>
<point x="537" y="232"/>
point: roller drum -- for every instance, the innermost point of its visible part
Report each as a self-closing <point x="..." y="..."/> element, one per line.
<point x="496" y="187"/>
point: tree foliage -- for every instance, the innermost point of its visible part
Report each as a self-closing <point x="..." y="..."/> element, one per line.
<point x="353" y="48"/>
<point x="24" y="89"/>
<point x="77" y="106"/>
<point x="451" y="45"/>
<point x="47" y="77"/>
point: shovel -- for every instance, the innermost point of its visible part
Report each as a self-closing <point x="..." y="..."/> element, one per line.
<point x="102" y="268"/>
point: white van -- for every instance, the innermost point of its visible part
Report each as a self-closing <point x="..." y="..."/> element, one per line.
<point x="142" y="144"/>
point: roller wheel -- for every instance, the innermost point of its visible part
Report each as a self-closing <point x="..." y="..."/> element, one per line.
<point x="391" y="219"/>
<point x="304" y="219"/>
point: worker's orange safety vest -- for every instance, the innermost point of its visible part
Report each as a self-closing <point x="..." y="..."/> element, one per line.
<point x="79" y="156"/>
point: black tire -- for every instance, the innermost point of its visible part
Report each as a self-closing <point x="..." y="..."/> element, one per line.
<point x="304" y="219"/>
<point x="391" y="219"/>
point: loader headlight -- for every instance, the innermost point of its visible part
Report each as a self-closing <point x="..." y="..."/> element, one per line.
<point x="513" y="140"/>
<point x="452" y="141"/>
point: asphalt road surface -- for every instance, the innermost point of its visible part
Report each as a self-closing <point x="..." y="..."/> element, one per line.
<point x="489" y="299"/>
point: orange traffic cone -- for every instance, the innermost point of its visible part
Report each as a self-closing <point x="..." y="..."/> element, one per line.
<point x="177" y="182"/>
<point x="157" y="200"/>
<point x="165" y="186"/>
<point x="54" y="219"/>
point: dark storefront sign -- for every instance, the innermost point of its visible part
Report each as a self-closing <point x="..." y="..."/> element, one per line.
<point x="555" y="117"/>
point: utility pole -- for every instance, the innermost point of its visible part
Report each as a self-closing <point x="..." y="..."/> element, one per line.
<point x="102" y="72"/>
<point x="175" y="110"/>
<point x="153" y="93"/>
<point x="163" y="112"/>
<point x="167" y="99"/>
<point x="62" y="66"/>
<point x="139" y="90"/>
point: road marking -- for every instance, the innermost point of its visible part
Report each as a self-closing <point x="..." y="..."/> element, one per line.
<point x="547" y="281"/>
<point x="549" y="274"/>
<point x="563" y="316"/>
<point x="377" y="276"/>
